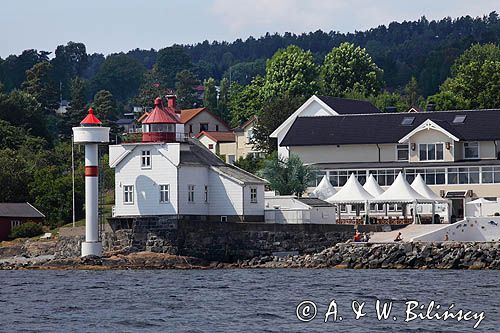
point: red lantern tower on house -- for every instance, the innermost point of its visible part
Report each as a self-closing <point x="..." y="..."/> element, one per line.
<point x="162" y="125"/>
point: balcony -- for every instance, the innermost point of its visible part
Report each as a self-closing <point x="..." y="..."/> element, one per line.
<point x="154" y="137"/>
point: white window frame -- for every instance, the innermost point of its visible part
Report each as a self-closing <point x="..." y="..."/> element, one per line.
<point x="478" y="150"/>
<point x="14" y="223"/>
<point x="435" y="144"/>
<point x="128" y="194"/>
<point x="146" y="159"/>
<point x="191" y="193"/>
<point x="249" y="136"/>
<point x="400" y="147"/>
<point x="164" y="193"/>
<point x="253" y="195"/>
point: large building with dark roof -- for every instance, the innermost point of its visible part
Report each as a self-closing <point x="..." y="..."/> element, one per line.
<point x="457" y="152"/>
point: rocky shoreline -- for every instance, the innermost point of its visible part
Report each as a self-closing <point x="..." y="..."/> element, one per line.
<point x="442" y="255"/>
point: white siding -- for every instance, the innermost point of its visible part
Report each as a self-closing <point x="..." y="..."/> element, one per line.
<point x="252" y="208"/>
<point x="146" y="184"/>
<point x="197" y="176"/>
<point x="225" y="196"/>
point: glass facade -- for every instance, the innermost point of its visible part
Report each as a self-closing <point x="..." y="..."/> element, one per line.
<point x="431" y="176"/>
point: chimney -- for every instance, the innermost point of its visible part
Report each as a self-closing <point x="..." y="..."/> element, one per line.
<point x="430" y="107"/>
<point x="172" y="102"/>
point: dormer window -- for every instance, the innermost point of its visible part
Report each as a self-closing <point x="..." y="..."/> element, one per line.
<point x="471" y="150"/>
<point x="431" y="151"/>
<point x="407" y="121"/>
<point x="146" y="159"/>
<point x="459" y="119"/>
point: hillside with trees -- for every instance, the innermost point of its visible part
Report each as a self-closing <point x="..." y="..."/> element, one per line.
<point x="450" y="63"/>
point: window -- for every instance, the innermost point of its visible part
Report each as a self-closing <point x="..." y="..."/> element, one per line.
<point x="431" y="151"/>
<point x="216" y="128"/>
<point x="339" y="178"/>
<point x="146" y="159"/>
<point x="206" y="193"/>
<point x="491" y="175"/>
<point x="231" y="159"/>
<point x="430" y="176"/>
<point x="210" y="146"/>
<point x="203" y="127"/>
<point x="128" y="194"/>
<point x="249" y="136"/>
<point x="319" y="176"/>
<point x="14" y="223"/>
<point x="190" y="193"/>
<point x="190" y="128"/>
<point x="402" y="152"/>
<point x="223" y="218"/>
<point x="164" y="193"/>
<point x="343" y="208"/>
<point x="471" y="150"/>
<point x="253" y="195"/>
<point x="407" y="121"/>
<point x="459" y="119"/>
<point x="463" y="175"/>
<point x="395" y="208"/>
<point x="385" y="177"/>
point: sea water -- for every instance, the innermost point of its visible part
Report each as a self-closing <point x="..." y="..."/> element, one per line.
<point x="250" y="300"/>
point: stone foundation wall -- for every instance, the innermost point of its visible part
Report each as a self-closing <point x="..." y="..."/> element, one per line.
<point x="224" y="241"/>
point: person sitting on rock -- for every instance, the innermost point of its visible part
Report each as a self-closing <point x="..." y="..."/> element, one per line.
<point x="446" y="238"/>
<point x="357" y="237"/>
<point x="398" y="238"/>
<point x="366" y="237"/>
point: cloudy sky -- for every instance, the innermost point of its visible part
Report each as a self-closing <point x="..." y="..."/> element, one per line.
<point x="108" y="26"/>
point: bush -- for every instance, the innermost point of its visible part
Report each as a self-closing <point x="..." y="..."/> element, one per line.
<point x="28" y="229"/>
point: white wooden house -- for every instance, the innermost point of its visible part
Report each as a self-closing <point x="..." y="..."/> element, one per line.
<point x="167" y="174"/>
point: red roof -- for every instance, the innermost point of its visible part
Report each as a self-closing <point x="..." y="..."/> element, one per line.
<point x="189" y="114"/>
<point x="90" y="119"/>
<point x="218" y="136"/>
<point x="159" y="115"/>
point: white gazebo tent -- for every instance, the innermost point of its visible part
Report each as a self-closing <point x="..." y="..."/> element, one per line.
<point x="351" y="192"/>
<point x="401" y="192"/>
<point x="421" y="187"/>
<point x="324" y="190"/>
<point x="480" y="202"/>
<point x="372" y="187"/>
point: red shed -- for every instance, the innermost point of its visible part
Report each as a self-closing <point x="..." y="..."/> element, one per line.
<point x="14" y="214"/>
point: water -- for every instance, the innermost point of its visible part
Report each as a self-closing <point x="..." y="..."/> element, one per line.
<point x="236" y="300"/>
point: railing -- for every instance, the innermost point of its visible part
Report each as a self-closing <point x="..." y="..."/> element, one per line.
<point x="154" y="137"/>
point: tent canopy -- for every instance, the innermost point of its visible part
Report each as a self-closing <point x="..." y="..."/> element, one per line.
<point x="480" y="201"/>
<point x="372" y="186"/>
<point x="324" y="190"/>
<point x="401" y="191"/>
<point x="421" y="187"/>
<point x="352" y="191"/>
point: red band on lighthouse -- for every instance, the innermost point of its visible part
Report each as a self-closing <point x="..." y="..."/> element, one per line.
<point x="91" y="171"/>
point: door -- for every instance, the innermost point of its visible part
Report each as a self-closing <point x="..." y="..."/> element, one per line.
<point x="457" y="209"/>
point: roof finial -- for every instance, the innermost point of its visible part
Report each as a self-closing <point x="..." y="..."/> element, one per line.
<point x="91" y="110"/>
<point x="157" y="101"/>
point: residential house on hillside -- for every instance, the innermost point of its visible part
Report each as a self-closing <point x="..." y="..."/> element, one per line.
<point x="201" y="119"/>
<point x="15" y="214"/>
<point x="233" y="144"/>
<point x="456" y="152"/>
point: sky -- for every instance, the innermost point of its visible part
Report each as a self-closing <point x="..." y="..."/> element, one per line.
<point x="108" y="26"/>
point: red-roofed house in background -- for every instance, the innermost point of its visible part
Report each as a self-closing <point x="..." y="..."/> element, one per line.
<point x="231" y="145"/>
<point x="14" y="214"/>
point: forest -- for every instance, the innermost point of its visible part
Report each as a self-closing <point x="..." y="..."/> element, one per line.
<point x="446" y="64"/>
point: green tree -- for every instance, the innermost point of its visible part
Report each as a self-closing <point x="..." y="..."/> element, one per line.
<point x="119" y="74"/>
<point x="245" y="72"/>
<point x="412" y="93"/>
<point x="40" y="84"/>
<point x="291" y="72"/>
<point x="169" y="62"/>
<point x="273" y="114"/>
<point x="70" y="61"/>
<point x="150" y="89"/>
<point x="287" y="176"/>
<point x="250" y="163"/>
<point x="104" y="106"/>
<point x="210" y="95"/>
<point x="21" y="109"/>
<point x="474" y="81"/>
<point x="245" y="101"/>
<point x="77" y="106"/>
<point x="186" y="95"/>
<point x="223" y="102"/>
<point x="347" y="67"/>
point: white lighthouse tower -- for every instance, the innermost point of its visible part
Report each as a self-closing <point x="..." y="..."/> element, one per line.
<point x="90" y="133"/>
